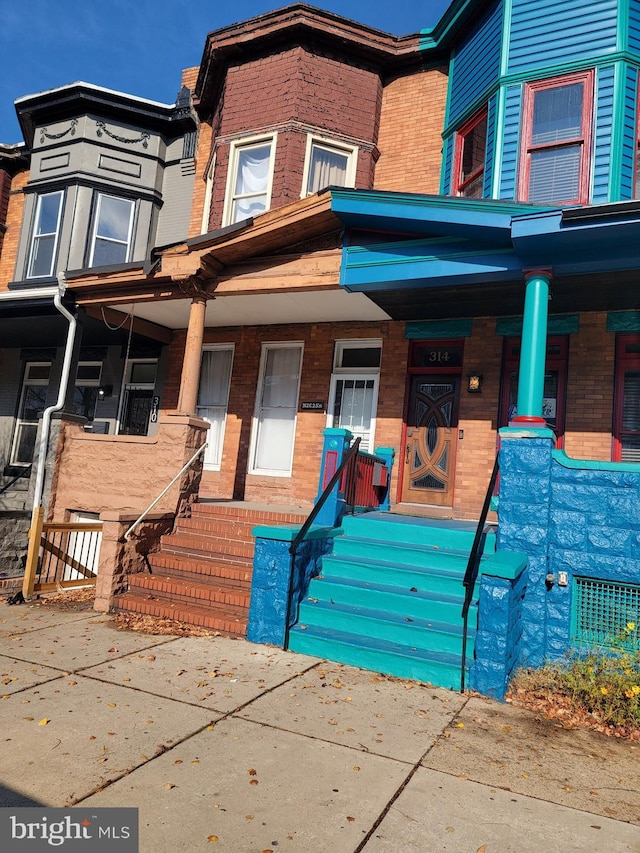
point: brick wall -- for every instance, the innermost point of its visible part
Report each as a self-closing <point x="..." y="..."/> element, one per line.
<point x="293" y="92"/>
<point x="590" y="389"/>
<point x="410" y="139"/>
<point x="13" y="222"/>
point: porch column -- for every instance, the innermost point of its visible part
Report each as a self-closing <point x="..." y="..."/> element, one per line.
<point x="533" y="349"/>
<point x="188" y="397"/>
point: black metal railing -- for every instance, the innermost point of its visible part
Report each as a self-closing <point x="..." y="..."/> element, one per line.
<point x="346" y="459"/>
<point x="471" y="573"/>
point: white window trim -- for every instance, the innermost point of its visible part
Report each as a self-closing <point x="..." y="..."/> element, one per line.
<point x="216" y="466"/>
<point x="26" y="382"/>
<point x="355" y="373"/>
<point x="351" y="151"/>
<point x="236" y="146"/>
<point x="266" y="347"/>
<point x="94" y="231"/>
<point x="208" y="195"/>
<point x="35" y="237"/>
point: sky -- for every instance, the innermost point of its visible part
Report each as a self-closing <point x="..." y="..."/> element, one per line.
<point x="141" y="46"/>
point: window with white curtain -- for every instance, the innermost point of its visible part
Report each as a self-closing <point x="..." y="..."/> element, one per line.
<point x="213" y="397"/>
<point x="276" y="406"/>
<point x="353" y="396"/>
<point x="249" y="179"/>
<point x="328" y="164"/>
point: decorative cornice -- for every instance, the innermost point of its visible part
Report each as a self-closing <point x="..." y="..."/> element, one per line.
<point x="102" y="128"/>
<point x="70" y="130"/>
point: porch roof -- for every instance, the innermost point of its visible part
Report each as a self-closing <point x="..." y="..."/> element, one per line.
<point x="402" y="249"/>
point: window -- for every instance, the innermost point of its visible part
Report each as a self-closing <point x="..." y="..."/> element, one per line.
<point x="111" y="240"/>
<point x="328" y="164"/>
<point x="353" y="395"/>
<point x="85" y="393"/>
<point x="626" y="418"/>
<point x="471" y="151"/>
<point x="208" y="195"/>
<point x="249" y="179"/>
<point x="276" y="406"/>
<point x="557" y="130"/>
<point x="32" y="405"/>
<point x="138" y="401"/>
<point x="213" y="396"/>
<point x="44" y="240"/>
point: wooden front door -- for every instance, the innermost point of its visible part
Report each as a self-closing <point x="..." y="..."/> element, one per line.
<point x="429" y="452"/>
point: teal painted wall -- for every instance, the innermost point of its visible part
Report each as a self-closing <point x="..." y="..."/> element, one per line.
<point x="553" y="32"/>
<point x="511" y="141"/>
<point x="628" y="133"/>
<point x="475" y="66"/>
<point x="603" y="130"/>
<point x="491" y="147"/>
<point x="634" y="26"/>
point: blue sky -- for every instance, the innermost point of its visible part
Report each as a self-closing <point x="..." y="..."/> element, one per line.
<point x="140" y="46"/>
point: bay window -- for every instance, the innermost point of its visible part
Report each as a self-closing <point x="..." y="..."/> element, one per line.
<point x="249" y="179"/>
<point x="328" y="164"/>
<point x="112" y="231"/>
<point x="44" y="238"/>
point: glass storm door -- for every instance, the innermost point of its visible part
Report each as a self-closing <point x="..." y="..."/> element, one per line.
<point x="429" y="453"/>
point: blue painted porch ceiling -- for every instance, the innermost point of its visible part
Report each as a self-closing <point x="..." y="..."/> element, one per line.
<point x="399" y="241"/>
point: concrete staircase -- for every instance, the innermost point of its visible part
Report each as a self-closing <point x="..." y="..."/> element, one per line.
<point x="202" y="573"/>
<point x="389" y="598"/>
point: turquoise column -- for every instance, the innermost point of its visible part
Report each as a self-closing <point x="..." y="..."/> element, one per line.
<point x="533" y="350"/>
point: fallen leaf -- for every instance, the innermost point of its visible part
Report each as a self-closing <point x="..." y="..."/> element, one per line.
<point x="482" y="849"/>
<point x="111" y="704"/>
<point x="92" y="737"/>
<point x="252" y="772"/>
<point x="350" y="819"/>
<point x="212" y="838"/>
<point x="248" y="817"/>
<point x="144" y="757"/>
<point x="356" y="768"/>
<point x="126" y="678"/>
<point x="30" y="719"/>
<point x="151" y="657"/>
<point x="196" y="761"/>
<point x="459" y="725"/>
<point x="168" y="785"/>
<point x="253" y="782"/>
<point x="43" y="722"/>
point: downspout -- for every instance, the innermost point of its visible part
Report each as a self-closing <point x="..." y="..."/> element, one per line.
<point x="62" y="390"/>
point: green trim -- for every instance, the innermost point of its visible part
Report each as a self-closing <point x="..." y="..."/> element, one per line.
<point x="369" y="263"/>
<point x="624" y="12"/>
<point x="507" y="14"/>
<point x="615" y="149"/>
<point x="287" y="533"/>
<point x="504" y="564"/>
<point x="623" y="321"/>
<point x="432" y="330"/>
<point x="498" y="148"/>
<point x="593" y="465"/>
<point x="558" y="324"/>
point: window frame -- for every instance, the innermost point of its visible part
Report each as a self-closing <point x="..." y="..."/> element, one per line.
<point x="230" y="197"/>
<point x="460" y="183"/>
<point x="334" y="146"/>
<point x="213" y="455"/>
<point x="96" y="221"/>
<point x="527" y="148"/>
<point x="366" y="374"/>
<point x="129" y="385"/>
<point x="624" y="361"/>
<point x="88" y="383"/>
<point x="267" y="346"/>
<point x="21" y="421"/>
<point x="35" y="237"/>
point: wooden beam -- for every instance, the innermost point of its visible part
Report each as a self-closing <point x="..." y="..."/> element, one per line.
<point x="141" y="327"/>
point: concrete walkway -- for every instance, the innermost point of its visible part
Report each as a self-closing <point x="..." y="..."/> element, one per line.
<point x="228" y="746"/>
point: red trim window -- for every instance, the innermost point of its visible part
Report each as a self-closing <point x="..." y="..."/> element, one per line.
<point x="470" y="157"/>
<point x="557" y="140"/>
<point x="626" y="412"/>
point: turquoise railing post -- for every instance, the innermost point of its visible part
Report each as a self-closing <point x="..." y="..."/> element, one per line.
<point x="533" y="350"/>
<point x="388" y="454"/>
<point x="336" y="443"/>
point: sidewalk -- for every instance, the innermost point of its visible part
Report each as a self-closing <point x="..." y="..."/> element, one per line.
<point x="228" y="747"/>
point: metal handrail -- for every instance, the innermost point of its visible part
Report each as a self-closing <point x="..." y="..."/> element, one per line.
<point x="164" y="492"/>
<point x="348" y="456"/>
<point x="473" y="565"/>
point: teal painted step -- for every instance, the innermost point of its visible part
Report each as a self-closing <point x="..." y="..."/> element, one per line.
<point x="449" y="535"/>
<point x="447" y="581"/>
<point x="402" y="553"/>
<point x="439" y="669"/>
<point x="424" y="634"/>
<point x="420" y="605"/>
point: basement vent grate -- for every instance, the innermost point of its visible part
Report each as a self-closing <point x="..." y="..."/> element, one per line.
<point x="606" y="614"/>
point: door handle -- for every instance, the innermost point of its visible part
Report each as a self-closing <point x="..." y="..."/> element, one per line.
<point x="407" y="454"/>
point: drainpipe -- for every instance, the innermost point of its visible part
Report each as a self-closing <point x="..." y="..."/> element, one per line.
<point x="62" y="391"/>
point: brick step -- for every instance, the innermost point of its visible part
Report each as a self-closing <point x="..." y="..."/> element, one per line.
<point x="208" y="547"/>
<point x="254" y="516"/>
<point x="181" y="566"/>
<point x="221" y="620"/>
<point x="230" y="530"/>
<point x="191" y="591"/>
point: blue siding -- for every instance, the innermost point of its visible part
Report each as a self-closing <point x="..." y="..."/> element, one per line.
<point x="447" y="160"/>
<point x="549" y="32"/>
<point x="476" y="64"/>
<point x="491" y="149"/>
<point x="634" y="25"/>
<point x="604" y="120"/>
<point x="629" y="124"/>
<point x="512" y="121"/>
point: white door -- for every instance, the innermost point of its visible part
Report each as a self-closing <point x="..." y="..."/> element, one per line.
<point x="213" y="397"/>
